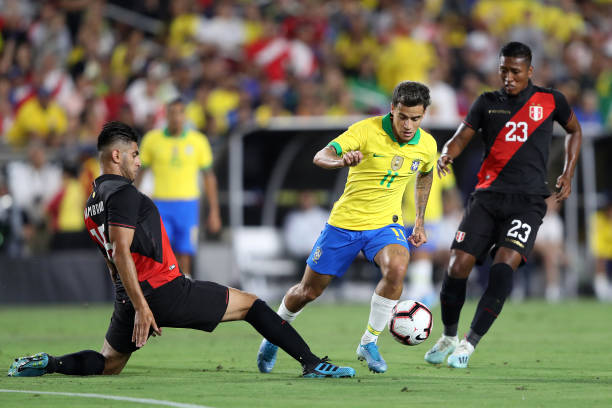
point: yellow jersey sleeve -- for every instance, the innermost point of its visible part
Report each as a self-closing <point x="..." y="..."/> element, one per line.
<point x="351" y="139"/>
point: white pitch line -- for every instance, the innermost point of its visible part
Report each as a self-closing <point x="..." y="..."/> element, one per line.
<point x="110" y="397"/>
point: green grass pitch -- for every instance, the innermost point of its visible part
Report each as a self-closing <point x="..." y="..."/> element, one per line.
<point x="536" y="355"/>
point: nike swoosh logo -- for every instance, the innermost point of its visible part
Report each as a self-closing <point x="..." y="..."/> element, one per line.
<point x="379" y="155"/>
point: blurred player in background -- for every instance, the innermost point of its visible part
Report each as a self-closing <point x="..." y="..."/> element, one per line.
<point x="383" y="153"/>
<point x="601" y="242"/>
<point x="507" y="207"/>
<point x="423" y="258"/>
<point x="150" y="290"/>
<point x="177" y="155"/>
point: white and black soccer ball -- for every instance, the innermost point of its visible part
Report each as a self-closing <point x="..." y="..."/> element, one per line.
<point x="411" y="322"/>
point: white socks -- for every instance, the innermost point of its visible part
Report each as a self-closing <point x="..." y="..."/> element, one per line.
<point x="421" y="279"/>
<point x="380" y="313"/>
<point x="285" y="314"/>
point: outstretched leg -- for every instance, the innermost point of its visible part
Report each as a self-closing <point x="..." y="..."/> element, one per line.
<point x="245" y="306"/>
<point x="85" y="362"/>
<point x="310" y="287"/>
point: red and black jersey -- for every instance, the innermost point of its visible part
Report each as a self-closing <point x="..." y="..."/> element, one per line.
<point x="517" y="131"/>
<point x="115" y="201"/>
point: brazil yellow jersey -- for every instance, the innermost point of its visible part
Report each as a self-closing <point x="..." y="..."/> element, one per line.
<point x="175" y="162"/>
<point x="434" y="210"/>
<point x="374" y="188"/>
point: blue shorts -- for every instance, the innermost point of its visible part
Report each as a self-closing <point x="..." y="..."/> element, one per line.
<point x="180" y="219"/>
<point x="336" y="248"/>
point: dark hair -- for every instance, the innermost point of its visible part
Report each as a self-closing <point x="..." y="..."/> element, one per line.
<point x="516" y="49"/>
<point x="116" y="131"/>
<point x="410" y="93"/>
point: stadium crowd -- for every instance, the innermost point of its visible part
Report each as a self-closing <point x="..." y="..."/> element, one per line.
<point x="68" y="66"/>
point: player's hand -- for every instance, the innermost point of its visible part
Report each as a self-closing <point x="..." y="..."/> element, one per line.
<point x="564" y="187"/>
<point x="352" y="158"/>
<point x="443" y="162"/>
<point x="213" y="222"/>
<point x="418" y="236"/>
<point x="143" y="323"/>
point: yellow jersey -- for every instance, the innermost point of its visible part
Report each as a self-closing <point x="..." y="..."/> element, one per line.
<point x="175" y="162"/>
<point x="434" y="210"/>
<point x="374" y="188"/>
<point x="33" y="118"/>
<point x="601" y="235"/>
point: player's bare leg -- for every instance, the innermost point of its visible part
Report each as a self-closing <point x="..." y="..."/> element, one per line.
<point x="246" y="306"/>
<point x="308" y="289"/>
<point x="393" y="262"/>
<point x="184" y="261"/>
<point x="452" y="297"/>
<point x="114" y="361"/>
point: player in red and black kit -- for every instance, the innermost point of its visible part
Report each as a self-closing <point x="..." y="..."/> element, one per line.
<point x="507" y="206"/>
<point x="150" y="290"/>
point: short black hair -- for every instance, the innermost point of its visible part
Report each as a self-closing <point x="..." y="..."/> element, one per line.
<point x="116" y="131"/>
<point x="410" y="93"/>
<point x="516" y="49"/>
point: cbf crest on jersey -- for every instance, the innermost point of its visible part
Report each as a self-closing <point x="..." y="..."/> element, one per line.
<point x="536" y="112"/>
<point x="396" y="163"/>
<point x="415" y="165"/>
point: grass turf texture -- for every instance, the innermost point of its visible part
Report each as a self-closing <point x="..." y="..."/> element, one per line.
<point x="536" y="355"/>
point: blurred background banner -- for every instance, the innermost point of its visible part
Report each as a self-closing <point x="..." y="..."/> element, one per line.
<point x="269" y="83"/>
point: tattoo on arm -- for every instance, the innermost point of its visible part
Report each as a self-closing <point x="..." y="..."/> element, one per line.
<point x="421" y="193"/>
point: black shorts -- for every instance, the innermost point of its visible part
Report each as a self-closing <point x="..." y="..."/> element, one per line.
<point x="494" y="220"/>
<point x="180" y="303"/>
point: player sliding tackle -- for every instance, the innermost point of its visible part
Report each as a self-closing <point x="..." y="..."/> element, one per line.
<point x="382" y="152"/>
<point x="150" y="291"/>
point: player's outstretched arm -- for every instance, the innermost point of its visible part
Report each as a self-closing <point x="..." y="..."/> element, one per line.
<point x="454" y="147"/>
<point x="573" y="140"/>
<point x="328" y="159"/>
<point x="421" y="195"/>
<point x="121" y="240"/>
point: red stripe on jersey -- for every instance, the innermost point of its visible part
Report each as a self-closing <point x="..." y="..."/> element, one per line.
<point x="122" y="225"/>
<point x="154" y="272"/>
<point x="532" y="114"/>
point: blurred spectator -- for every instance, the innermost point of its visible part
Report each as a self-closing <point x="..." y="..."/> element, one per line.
<point x="588" y="114"/>
<point x="65" y="211"/>
<point x="601" y="241"/>
<point x="40" y="118"/>
<point x="49" y="34"/>
<point x="144" y="98"/>
<point x="32" y="184"/>
<point x="303" y="225"/>
<point x="549" y="247"/>
<point x="444" y="110"/>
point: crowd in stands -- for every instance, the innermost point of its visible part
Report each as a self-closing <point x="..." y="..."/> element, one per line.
<point x="68" y="66"/>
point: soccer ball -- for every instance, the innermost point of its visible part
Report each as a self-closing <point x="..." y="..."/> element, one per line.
<point x="410" y="323"/>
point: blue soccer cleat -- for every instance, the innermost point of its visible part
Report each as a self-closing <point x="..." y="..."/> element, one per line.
<point x="266" y="357"/>
<point x="31" y="366"/>
<point x="325" y="369"/>
<point x="443" y="347"/>
<point x="461" y="355"/>
<point x="369" y="352"/>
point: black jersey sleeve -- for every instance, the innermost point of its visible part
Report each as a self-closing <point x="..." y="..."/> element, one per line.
<point x="123" y="207"/>
<point x="563" y="112"/>
<point x="475" y="115"/>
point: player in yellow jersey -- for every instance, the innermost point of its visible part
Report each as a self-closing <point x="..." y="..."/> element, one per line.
<point x="383" y="153"/>
<point x="177" y="155"/>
